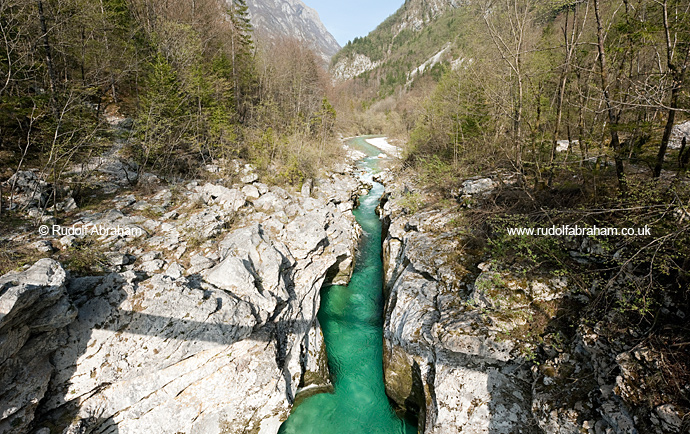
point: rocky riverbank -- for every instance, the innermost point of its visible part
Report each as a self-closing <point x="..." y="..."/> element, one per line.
<point x="460" y="329"/>
<point x="203" y="319"/>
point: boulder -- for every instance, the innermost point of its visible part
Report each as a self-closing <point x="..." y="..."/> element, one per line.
<point x="306" y="235"/>
<point x="152" y="266"/>
<point x="34" y="311"/>
<point x="677" y="133"/>
<point x="263" y="188"/>
<point x="251" y="192"/>
<point x="175" y="270"/>
<point x="247" y="176"/>
<point x="43" y="246"/>
<point x="307" y="185"/>
<point x="207" y="223"/>
<point x="478" y="186"/>
<point x="269" y="203"/>
<point x="119" y="171"/>
<point x="199" y="263"/>
<point x="29" y="189"/>
<point x="229" y="199"/>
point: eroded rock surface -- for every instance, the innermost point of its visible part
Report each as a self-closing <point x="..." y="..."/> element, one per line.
<point x="34" y="309"/>
<point x="456" y="353"/>
<point x="205" y="322"/>
<point x="442" y="358"/>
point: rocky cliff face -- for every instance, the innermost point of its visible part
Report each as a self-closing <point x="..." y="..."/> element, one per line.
<point x="274" y="18"/>
<point x="415" y="14"/>
<point x="455" y="352"/>
<point x="443" y="358"/>
<point x="34" y="311"/>
<point x="206" y="323"/>
<point x="352" y="66"/>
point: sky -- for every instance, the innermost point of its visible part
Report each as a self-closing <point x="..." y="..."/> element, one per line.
<point x="349" y="19"/>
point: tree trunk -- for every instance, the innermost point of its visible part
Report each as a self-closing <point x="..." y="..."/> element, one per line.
<point x="563" y="81"/>
<point x="615" y="140"/>
<point x="107" y="48"/>
<point x="677" y="76"/>
<point x="49" y="57"/>
<point x="667" y="131"/>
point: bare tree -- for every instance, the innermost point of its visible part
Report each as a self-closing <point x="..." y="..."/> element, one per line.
<point x="571" y="41"/>
<point x="677" y="55"/>
<point x="612" y="116"/>
<point x="510" y="24"/>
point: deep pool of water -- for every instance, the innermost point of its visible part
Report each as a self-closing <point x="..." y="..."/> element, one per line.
<point x="352" y="322"/>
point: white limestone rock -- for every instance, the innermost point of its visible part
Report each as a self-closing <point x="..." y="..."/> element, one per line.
<point x="679" y="132"/>
<point x="175" y="270"/>
<point x="263" y="188"/>
<point x="478" y="186"/>
<point x="306" y="235"/>
<point x="149" y="348"/>
<point x="438" y="354"/>
<point x="34" y="309"/>
<point x="43" y="246"/>
<point x="199" y="263"/>
<point x="228" y="199"/>
<point x="251" y="192"/>
<point x="270" y="202"/>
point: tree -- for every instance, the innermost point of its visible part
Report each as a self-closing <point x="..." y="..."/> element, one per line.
<point x="571" y="40"/>
<point x="456" y="124"/>
<point x="241" y="52"/>
<point x="324" y="123"/>
<point x="612" y="115"/>
<point x="163" y="121"/>
<point x="677" y="43"/>
<point x="509" y="23"/>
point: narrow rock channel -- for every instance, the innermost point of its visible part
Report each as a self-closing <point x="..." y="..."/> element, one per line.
<point x="351" y="320"/>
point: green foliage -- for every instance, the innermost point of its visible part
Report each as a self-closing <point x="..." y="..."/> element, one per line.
<point x="241" y="56"/>
<point x="435" y="171"/>
<point x="527" y="252"/>
<point x="401" y="51"/>
<point x="56" y="84"/>
<point x="86" y="258"/>
<point x="189" y="80"/>
<point x="196" y="94"/>
<point x="456" y="126"/>
<point x="504" y="111"/>
<point x="239" y="16"/>
<point x="323" y="123"/>
<point x="412" y="202"/>
<point x="162" y="126"/>
<point x="293" y="172"/>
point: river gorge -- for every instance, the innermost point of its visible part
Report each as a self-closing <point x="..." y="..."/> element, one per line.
<point x="351" y="319"/>
<point x="343" y="307"/>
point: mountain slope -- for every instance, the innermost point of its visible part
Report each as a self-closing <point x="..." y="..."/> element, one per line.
<point x="276" y="18"/>
<point x="415" y="38"/>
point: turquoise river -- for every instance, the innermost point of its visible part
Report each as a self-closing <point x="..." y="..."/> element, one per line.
<point x="352" y="322"/>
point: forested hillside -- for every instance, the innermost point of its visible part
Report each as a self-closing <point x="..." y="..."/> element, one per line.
<point x="516" y="76"/>
<point x="189" y="74"/>
<point x="404" y="41"/>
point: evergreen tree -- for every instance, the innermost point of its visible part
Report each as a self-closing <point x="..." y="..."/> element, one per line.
<point x="162" y="124"/>
<point x="241" y="54"/>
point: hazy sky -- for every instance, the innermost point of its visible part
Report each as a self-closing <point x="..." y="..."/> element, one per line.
<point x="348" y="19"/>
